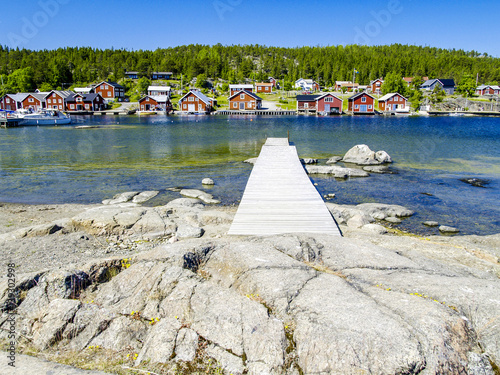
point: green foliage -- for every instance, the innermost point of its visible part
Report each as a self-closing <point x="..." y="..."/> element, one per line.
<point x="467" y="85"/>
<point x="65" y="66"/>
<point x="225" y="87"/>
<point x="287" y="86"/>
<point x="438" y="94"/>
<point x="393" y="82"/>
<point x="202" y="81"/>
<point x="416" y="82"/>
<point x="415" y="98"/>
<point x="21" y="80"/>
<point x="45" y="87"/>
<point x="142" y="85"/>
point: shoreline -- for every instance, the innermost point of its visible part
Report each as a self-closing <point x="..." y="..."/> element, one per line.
<point x="101" y="285"/>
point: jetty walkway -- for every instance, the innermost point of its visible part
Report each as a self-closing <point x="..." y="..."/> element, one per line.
<point x="280" y="198"/>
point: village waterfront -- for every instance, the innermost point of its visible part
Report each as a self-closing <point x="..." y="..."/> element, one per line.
<point x="41" y="165"/>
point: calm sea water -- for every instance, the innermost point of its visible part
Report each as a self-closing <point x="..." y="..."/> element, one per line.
<point x="68" y="165"/>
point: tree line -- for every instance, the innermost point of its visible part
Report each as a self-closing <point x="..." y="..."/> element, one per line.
<point x="26" y="70"/>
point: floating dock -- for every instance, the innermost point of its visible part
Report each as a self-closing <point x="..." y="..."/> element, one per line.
<point x="280" y="198"/>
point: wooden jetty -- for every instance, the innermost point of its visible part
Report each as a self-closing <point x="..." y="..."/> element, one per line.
<point x="257" y="113"/>
<point x="280" y="198"/>
<point x="9" y="122"/>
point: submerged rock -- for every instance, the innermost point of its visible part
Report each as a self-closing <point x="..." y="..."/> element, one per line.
<point x="144" y="196"/>
<point x="377" y="169"/>
<point x="336" y="171"/>
<point x="334" y="159"/>
<point x="121" y="198"/>
<point x="430" y="223"/>
<point x="201" y="195"/>
<point x="478" y="182"/>
<point x="447" y="229"/>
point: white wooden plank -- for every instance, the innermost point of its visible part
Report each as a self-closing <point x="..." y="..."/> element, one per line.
<point x="280" y="198"/>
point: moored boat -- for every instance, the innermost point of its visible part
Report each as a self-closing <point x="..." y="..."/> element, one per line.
<point x="45" y="117"/>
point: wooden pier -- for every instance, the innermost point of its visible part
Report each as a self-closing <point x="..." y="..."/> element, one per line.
<point x="257" y="113"/>
<point x="280" y="198"/>
<point x="9" y="122"/>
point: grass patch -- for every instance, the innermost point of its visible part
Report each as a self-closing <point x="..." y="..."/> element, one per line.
<point x="119" y="362"/>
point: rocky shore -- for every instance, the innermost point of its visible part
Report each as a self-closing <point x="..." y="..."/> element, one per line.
<point x="127" y="289"/>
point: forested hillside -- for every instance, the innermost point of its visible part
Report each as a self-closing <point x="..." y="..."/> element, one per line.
<point x="25" y="70"/>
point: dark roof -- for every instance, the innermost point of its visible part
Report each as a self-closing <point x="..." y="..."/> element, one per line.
<point x="85" y="97"/>
<point x="114" y="84"/>
<point x="307" y="98"/>
<point x="444" y="82"/>
<point x="447" y="82"/>
<point x="249" y="93"/>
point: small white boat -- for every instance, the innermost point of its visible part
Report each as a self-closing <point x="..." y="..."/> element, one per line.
<point x="45" y="117"/>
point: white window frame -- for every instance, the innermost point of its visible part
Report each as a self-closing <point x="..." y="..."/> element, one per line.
<point x="191" y="99"/>
<point x="306" y="105"/>
<point x="242" y="96"/>
<point x="328" y="99"/>
<point x="235" y="105"/>
<point x="200" y="107"/>
<point x="31" y="100"/>
<point x="370" y="106"/>
<point x="356" y="106"/>
<point x="363" y="99"/>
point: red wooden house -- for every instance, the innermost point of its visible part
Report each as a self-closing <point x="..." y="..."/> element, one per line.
<point x="307" y="104"/>
<point x="12" y="102"/>
<point x="375" y="86"/>
<point x="361" y="103"/>
<point x="155" y="103"/>
<point x="264" y="87"/>
<point x="347" y="85"/>
<point x="34" y="101"/>
<point x="57" y="99"/>
<point x="110" y="90"/>
<point x="393" y="102"/>
<point x="329" y="104"/>
<point x="325" y="103"/>
<point x="273" y="81"/>
<point x="244" y="100"/>
<point x="85" y="102"/>
<point x="196" y="102"/>
<point x="488" y="90"/>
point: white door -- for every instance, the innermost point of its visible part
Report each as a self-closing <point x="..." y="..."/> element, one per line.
<point x="191" y="108"/>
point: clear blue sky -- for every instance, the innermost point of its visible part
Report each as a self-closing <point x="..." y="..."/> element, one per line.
<point x="148" y="24"/>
